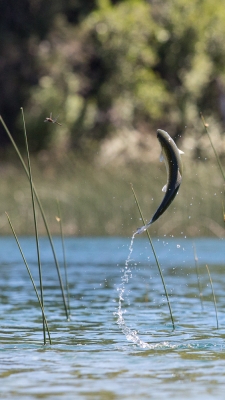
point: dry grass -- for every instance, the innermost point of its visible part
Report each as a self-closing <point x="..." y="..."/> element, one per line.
<point x="97" y="200"/>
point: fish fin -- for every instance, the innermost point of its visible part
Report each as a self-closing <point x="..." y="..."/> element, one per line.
<point x="143" y="228"/>
<point x="180" y="151"/>
<point x="179" y="179"/>
<point x="161" y="158"/>
<point x="140" y="230"/>
<point x="164" y="188"/>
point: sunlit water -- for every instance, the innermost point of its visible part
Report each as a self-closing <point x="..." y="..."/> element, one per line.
<point x="119" y="343"/>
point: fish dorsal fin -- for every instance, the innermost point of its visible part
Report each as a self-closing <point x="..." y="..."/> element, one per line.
<point x="164" y="188"/>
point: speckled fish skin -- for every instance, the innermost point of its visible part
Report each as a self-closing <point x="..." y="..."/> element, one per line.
<point x="171" y="156"/>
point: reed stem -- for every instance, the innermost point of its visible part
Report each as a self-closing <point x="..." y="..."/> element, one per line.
<point x="214" y="297"/>
<point x="156" y="258"/>
<point x="223" y="212"/>
<point x="30" y="275"/>
<point x="59" y="219"/>
<point x="35" y="224"/>
<point x="215" y="152"/>
<point x="198" y="275"/>
<point x="42" y="214"/>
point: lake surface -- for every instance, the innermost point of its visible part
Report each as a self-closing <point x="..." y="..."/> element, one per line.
<point x="119" y="342"/>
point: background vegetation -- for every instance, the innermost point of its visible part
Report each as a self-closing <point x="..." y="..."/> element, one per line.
<point x="114" y="71"/>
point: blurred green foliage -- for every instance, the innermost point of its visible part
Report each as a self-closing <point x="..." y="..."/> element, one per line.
<point x="98" y="201"/>
<point x="107" y="66"/>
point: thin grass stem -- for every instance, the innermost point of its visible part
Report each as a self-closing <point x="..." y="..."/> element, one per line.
<point x="30" y="275"/>
<point x="215" y="152"/>
<point x="223" y="211"/>
<point x="42" y="214"/>
<point x="59" y="219"/>
<point x="156" y="258"/>
<point x="198" y="275"/>
<point x="223" y="175"/>
<point x="214" y="297"/>
<point x="35" y="223"/>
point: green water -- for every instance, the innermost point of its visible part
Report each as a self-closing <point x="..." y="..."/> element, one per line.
<point x="106" y="351"/>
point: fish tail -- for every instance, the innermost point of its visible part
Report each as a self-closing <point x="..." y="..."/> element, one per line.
<point x="142" y="229"/>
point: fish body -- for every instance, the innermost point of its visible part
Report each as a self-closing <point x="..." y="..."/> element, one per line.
<point x="171" y="156"/>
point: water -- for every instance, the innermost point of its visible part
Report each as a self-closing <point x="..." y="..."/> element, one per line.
<point x="119" y="343"/>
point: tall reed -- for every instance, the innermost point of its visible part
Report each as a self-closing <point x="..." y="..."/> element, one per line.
<point x="213" y="147"/>
<point x="35" y="224"/>
<point x="42" y="214"/>
<point x="31" y="278"/>
<point x="198" y="275"/>
<point x="223" y="212"/>
<point x="156" y="258"/>
<point x="59" y="219"/>
<point x="223" y="175"/>
<point x="214" y="297"/>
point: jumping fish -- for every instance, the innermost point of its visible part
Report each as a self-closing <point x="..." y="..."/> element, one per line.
<point x="171" y="156"/>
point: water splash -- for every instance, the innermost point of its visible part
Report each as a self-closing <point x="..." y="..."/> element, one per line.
<point x="130" y="334"/>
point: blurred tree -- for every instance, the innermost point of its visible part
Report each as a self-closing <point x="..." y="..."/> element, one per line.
<point x="192" y="61"/>
<point x="101" y="76"/>
<point x="23" y="25"/>
<point x="108" y="65"/>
